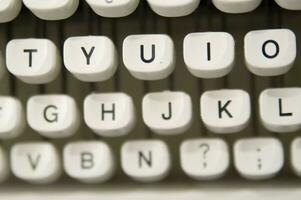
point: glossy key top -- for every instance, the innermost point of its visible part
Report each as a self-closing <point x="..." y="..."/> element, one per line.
<point x="9" y="9"/>
<point x="113" y="8"/>
<point x="236" y="6"/>
<point x="52" y="9"/>
<point x="289" y="4"/>
<point x="173" y="8"/>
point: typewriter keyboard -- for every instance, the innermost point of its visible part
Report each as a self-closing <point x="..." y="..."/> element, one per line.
<point x="129" y="99"/>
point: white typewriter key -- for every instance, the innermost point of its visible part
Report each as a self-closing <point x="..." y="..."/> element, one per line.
<point x="258" y="158"/>
<point x="35" y="162"/>
<point x="280" y="109"/>
<point x="4" y="165"/>
<point x="225" y="111"/>
<point x="173" y="8"/>
<point x="109" y="114"/>
<point x="91" y="58"/>
<point x="209" y="54"/>
<point x="295" y="156"/>
<point x="12" y="118"/>
<point x="9" y="10"/>
<point x="149" y="57"/>
<point x="52" y="9"/>
<point x="289" y="4"/>
<point x="53" y="116"/>
<point x="34" y="61"/>
<point x="236" y="6"/>
<point x="89" y="162"/>
<point x="145" y="160"/>
<point x="113" y="8"/>
<point x="172" y="113"/>
<point x="204" y="159"/>
<point x="270" y="52"/>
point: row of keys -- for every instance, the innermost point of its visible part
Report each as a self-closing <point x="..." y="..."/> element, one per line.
<point x="62" y="9"/>
<point x="151" y="57"/>
<point x="148" y="160"/>
<point x="113" y="114"/>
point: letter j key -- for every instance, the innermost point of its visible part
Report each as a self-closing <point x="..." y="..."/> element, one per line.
<point x="173" y="113"/>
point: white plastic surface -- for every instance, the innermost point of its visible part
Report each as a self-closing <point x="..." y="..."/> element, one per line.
<point x="113" y="8"/>
<point x="109" y="114"/>
<point x="289" y="4"/>
<point x="9" y="10"/>
<point x="52" y="9"/>
<point x="89" y="162"/>
<point x="149" y="57"/>
<point x="258" y="158"/>
<point x="209" y="54"/>
<point x="236" y="6"/>
<point x="172" y="113"/>
<point x="173" y="8"/>
<point x="12" y="117"/>
<point x="53" y="116"/>
<point x="225" y="111"/>
<point x="33" y="61"/>
<point x="145" y="160"/>
<point x="90" y="58"/>
<point x="35" y="162"/>
<point x="279" y="109"/>
<point x="204" y="159"/>
<point x="270" y="52"/>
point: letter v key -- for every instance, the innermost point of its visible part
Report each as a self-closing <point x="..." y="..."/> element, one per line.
<point x="34" y="161"/>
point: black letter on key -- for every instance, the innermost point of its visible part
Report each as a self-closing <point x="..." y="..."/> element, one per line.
<point x="54" y="115"/>
<point x="223" y="108"/>
<point x="88" y="55"/>
<point x="168" y="117"/>
<point x="281" y="113"/>
<point x="208" y="51"/>
<point x="147" y="160"/>
<point x="33" y="162"/>
<point x="87" y="160"/>
<point x="264" y="49"/>
<point x="103" y="112"/>
<point x="30" y="52"/>
<point x="143" y="57"/>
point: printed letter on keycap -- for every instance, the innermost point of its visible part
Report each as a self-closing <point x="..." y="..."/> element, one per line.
<point x="152" y="58"/>
<point x="54" y="115"/>
<point x="143" y="159"/>
<point x="87" y="160"/>
<point x="165" y="116"/>
<point x="223" y="108"/>
<point x="30" y="52"/>
<point x="88" y="55"/>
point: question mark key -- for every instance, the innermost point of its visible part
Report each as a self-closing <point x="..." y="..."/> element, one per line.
<point x="204" y="159"/>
